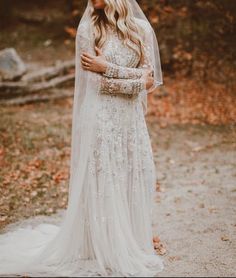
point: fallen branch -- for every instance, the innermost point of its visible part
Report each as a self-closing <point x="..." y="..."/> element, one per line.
<point x="51" y="83"/>
<point x="52" y="95"/>
<point x="13" y="89"/>
<point x="50" y="72"/>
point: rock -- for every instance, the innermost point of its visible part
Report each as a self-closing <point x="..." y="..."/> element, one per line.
<point x="11" y="65"/>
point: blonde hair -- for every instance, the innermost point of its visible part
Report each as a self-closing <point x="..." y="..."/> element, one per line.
<point x="117" y="14"/>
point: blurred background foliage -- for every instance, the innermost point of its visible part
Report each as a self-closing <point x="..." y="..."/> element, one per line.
<point x="197" y="37"/>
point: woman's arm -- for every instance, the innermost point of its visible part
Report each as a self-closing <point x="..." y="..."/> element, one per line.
<point x="121" y="72"/>
<point x="120" y="86"/>
<point x="110" y="85"/>
<point x="100" y="64"/>
<point x="145" y="66"/>
<point x="133" y="77"/>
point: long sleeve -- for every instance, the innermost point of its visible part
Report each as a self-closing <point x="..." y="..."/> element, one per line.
<point x="121" y="72"/>
<point x="128" y="87"/>
<point x="113" y="79"/>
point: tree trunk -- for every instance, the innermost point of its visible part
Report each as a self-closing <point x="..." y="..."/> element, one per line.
<point x="5" y="12"/>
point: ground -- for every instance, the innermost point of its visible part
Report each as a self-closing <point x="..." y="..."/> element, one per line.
<point x="195" y="212"/>
<point x="195" y="204"/>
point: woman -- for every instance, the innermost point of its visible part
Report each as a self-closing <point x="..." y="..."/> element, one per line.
<point x="107" y="228"/>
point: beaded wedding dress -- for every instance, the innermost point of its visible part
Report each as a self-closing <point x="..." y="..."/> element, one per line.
<point x="107" y="230"/>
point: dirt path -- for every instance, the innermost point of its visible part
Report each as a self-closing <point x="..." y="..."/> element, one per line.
<point x="195" y="215"/>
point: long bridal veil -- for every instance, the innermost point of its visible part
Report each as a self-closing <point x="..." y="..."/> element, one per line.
<point x="53" y="247"/>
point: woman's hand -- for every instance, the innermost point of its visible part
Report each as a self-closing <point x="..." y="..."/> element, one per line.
<point x="94" y="63"/>
<point x="148" y="79"/>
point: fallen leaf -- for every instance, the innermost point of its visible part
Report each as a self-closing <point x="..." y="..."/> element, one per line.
<point x="225" y="238"/>
<point x="71" y="31"/>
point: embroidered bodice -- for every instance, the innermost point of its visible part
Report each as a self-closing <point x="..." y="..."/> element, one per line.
<point x="125" y="69"/>
<point x="118" y="53"/>
<point x="124" y="63"/>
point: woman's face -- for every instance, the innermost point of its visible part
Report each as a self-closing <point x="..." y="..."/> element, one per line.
<point x="98" y="4"/>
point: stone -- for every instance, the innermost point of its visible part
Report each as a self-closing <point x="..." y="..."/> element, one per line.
<point x="11" y="65"/>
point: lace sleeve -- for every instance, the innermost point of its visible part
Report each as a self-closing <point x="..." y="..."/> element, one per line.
<point x="110" y="85"/>
<point x="116" y="71"/>
<point x="128" y="87"/>
<point x="121" y="72"/>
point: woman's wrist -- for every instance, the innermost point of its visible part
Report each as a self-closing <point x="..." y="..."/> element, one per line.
<point x="108" y="70"/>
<point x="104" y="68"/>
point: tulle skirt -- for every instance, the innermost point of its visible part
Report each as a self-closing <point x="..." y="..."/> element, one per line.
<point x="110" y="232"/>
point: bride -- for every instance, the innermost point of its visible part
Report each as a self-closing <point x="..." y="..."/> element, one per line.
<point x="107" y="227"/>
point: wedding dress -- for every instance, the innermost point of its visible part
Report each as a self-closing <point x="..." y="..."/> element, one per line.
<point x="107" y="229"/>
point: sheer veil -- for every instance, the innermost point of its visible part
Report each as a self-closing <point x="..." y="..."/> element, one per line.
<point x="53" y="249"/>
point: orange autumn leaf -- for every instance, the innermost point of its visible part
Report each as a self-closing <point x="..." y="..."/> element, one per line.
<point x="71" y="31"/>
